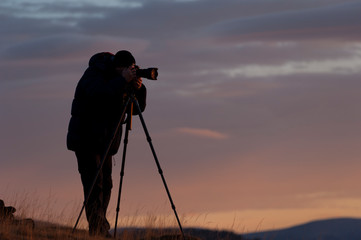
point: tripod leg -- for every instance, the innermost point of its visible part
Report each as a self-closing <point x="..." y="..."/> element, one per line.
<point x="128" y="128"/>
<point x="158" y="165"/>
<point x="102" y="163"/>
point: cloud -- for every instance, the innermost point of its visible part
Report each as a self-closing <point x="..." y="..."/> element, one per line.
<point x="332" y="21"/>
<point x="40" y="9"/>
<point x="328" y="66"/>
<point x="200" y="132"/>
<point x="64" y="45"/>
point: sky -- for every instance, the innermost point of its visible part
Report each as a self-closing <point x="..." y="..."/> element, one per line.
<point x="255" y="116"/>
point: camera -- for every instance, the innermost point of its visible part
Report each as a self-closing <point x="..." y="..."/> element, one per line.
<point x="149" y="73"/>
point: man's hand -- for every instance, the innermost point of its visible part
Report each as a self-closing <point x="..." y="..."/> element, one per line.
<point x="137" y="83"/>
<point x="128" y="73"/>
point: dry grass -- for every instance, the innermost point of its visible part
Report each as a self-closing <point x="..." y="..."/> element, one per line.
<point x="56" y="226"/>
<point x="47" y="231"/>
<point x="154" y="229"/>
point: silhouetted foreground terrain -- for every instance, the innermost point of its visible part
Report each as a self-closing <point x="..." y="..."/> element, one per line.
<point x="47" y="231"/>
<point x="333" y="229"/>
<point x="15" y="228"/>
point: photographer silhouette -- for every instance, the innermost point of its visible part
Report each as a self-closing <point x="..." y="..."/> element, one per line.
<point x="97" y="106"/>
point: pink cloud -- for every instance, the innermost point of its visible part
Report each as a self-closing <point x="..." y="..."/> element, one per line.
<point x="201" y="132"/>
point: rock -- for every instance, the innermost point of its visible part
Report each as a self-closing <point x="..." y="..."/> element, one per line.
<point x="7" y="215"/>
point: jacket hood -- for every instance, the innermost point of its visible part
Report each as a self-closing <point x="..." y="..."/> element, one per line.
<point x="102" y="61"/>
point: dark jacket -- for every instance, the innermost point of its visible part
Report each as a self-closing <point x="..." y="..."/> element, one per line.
<point x="97" y="107"/>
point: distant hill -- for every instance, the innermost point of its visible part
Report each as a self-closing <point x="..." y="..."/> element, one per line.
<point x="190" y="233"/>
<point x="331" y="229"/>
<point x="206" y="234"/>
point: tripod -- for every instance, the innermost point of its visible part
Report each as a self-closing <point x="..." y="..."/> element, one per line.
<point x="131" y="100"/>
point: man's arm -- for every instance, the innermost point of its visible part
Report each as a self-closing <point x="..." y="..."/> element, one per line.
<point x="141" y="96"/>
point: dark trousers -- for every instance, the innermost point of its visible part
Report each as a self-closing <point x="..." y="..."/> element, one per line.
<point x="96" y="207"/>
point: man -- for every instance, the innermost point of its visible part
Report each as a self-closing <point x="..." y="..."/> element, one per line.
<point x="96" y="111"/>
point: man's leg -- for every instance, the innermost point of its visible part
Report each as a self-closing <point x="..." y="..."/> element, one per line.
<point x="107" y="188"/>
<point x="88" y="164"/>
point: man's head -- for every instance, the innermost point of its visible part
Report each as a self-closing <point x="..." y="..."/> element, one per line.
<point x="123" y="58"/>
